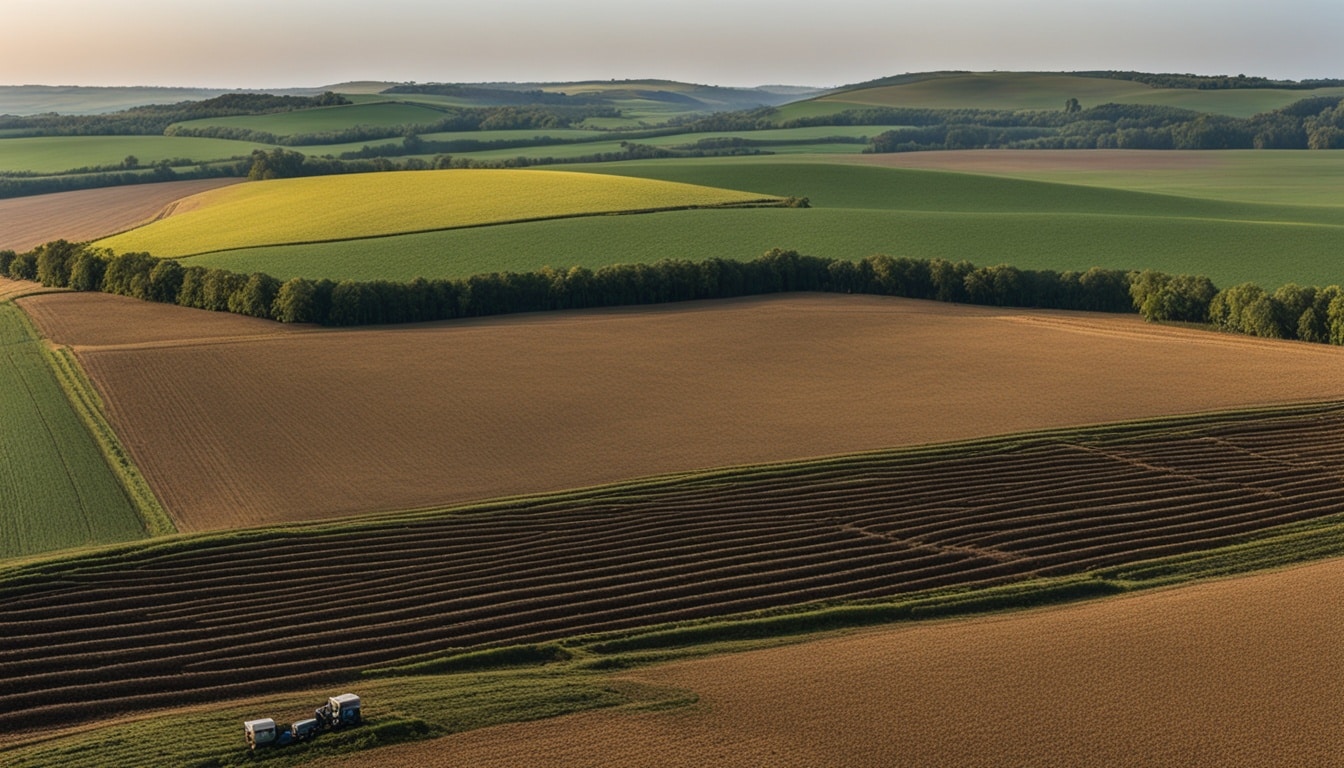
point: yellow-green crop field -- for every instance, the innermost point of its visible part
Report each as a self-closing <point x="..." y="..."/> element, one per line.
<point x="330" y="208"/>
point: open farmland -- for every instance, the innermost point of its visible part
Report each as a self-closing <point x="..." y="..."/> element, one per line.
<point x="302" y="424"/>
<point x="1046" y="91"/>
<point x="56" y="490"/>
<point x="88" y="214"/>
<point x="1237" y="672"/>
<point x="1289" y="177"/>
<point x="341" y="207"/>
<point x="185" y="622"/>
<point x="323" y="119"/>
<point x="1290" y="235"/>
<point x="57" y="154"/>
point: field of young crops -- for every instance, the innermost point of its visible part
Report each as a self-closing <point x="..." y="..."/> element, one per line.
<point x="324" y="119"/>
<point x="241" y="614"/>
<point x="55" y="154"/>
<point x="1028" y="90"/>
<point x="56" y="490"/>
<point x="860" y="210"/>
<point x="366" y="205"/>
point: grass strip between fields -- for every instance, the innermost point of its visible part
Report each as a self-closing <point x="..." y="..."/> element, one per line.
<point x="438" y="694"/>
<point x="89" y="407"/>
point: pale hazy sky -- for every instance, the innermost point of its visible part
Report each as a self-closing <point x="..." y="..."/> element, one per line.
<point x="278" y="43"/>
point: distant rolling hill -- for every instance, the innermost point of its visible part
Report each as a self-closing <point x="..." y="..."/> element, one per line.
<point x="1046" y="90"/>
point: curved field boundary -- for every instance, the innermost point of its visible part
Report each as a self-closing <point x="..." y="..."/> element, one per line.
<point x="190" y="620"/>
<point x="27" y="222"/>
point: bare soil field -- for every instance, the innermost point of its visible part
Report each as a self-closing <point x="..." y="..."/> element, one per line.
<point x="237" y="425"/>
<point x="1241" y="672"/>
<point x="163" y="626"/>
<point x="88" y="214"/>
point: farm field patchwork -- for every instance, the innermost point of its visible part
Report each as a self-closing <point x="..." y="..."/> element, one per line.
<point x="56" y="489"/>
<point x="1047" y="91"/>
<point x="306" y="424"/>
<point x="336" y="207"/>
<point x="185" y="623"/>
<point x="858" y="211"/>
<point x="1234" y="672"/>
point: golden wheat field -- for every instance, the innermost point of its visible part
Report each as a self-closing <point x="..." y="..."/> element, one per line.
<point x="325" y="208"/>
<point x="238" y="422"/>
<point x="1239" y="672"/>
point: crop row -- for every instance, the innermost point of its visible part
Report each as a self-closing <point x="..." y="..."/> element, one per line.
<point x="263" y="610"/>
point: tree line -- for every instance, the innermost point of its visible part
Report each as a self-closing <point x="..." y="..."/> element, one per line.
<point x="1313" y="123"/>
<point x="154" y="119"/>
<point x="1291" y="312"/>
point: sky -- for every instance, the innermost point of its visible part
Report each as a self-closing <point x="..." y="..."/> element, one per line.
<point x="309" y="43"/>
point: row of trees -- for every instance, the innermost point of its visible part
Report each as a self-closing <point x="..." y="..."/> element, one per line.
<point x="453" y="119"/>
<point x="1291" y="312"/>
<point x="1314" y="123"/>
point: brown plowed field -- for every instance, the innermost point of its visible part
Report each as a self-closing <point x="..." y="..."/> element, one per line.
<point x="88" y="214"/>
<point x="1243" y="672"/>
<point x="241" y="615"/>
<point x="238" y="422"/>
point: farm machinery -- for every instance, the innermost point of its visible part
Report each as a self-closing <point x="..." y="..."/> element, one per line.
<point x="339" y="712"/>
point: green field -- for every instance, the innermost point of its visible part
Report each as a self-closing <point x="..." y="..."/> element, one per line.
<point x="327" y="208"/>
<point x="55" y="154"/>
<point x="323" y="119"/>
<point x="1290" y="177"/>
<point x="858" y="211"/>
<point x="1026" y="90"/>
<point x="56" y="490"/>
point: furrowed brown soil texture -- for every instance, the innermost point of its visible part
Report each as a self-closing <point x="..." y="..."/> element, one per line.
<point x="1242" y="672"/>
<point x="238" y="422"/>
<point x="88" y="214"/>
<point x="242" y="614"/>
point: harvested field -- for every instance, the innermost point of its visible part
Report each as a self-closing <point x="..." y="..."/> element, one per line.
<point x="1242" y="672"/>
<point x="187" y="622"/>
<point x="304" y="424"/>
<point x="27" y="222"/>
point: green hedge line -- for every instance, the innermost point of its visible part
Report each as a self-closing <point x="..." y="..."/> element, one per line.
<point x="1291" y="312"/>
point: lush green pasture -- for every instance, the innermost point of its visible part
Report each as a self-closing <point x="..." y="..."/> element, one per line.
<point x="1229" y="252"/>
<point x="1026" y="90"/>
<point x="323" y="119"/>
<point x="326" y="208"/>
<point x="54" y="154"/>
<point x="858" y="211"/>
<point x="56" y="490"/>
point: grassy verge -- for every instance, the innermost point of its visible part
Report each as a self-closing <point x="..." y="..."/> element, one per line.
<point x="89" y="407"/>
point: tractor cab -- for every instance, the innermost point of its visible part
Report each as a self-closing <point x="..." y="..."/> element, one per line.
<point x="259" y="733"/>
<point x="339" y="711"/>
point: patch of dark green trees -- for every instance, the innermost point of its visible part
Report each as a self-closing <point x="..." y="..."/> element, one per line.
<point x="1290" y="312"/>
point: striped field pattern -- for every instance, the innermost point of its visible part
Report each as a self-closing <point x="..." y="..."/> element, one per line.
<point x="249" y="613"/>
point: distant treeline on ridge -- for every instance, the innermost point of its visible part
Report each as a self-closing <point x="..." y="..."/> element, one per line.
<point x="1291" y="312"/>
